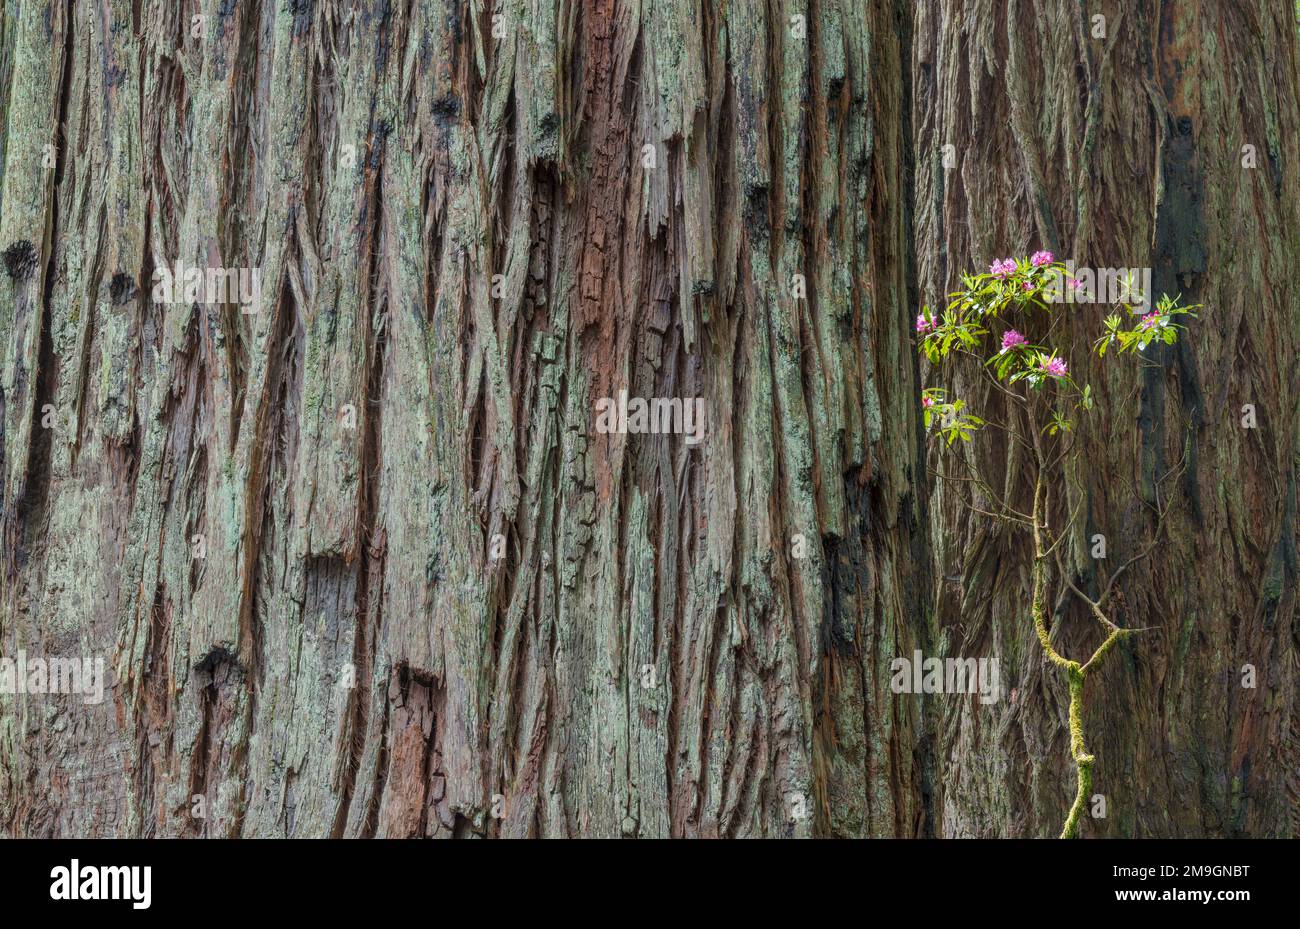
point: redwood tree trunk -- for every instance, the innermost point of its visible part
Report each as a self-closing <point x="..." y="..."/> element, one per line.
<point x="282" y="528"/>
<point x="361" y="564"/>
<point x="1123" y="147"/>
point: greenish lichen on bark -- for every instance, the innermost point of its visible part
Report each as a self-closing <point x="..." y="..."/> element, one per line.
<point x="359" y="560"/>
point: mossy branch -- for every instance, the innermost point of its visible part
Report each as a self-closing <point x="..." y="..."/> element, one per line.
<point x="1076" y="673"/>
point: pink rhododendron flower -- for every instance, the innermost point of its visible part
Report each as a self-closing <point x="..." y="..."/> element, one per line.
<point x="1027" y="286"/>
<point x="1040" y="259"/>
<point x="927" y="402"/>
<point x="1054" y="367"/>
<point x="923" y="325"/>
<point x="1074" y="284"/>
<point x="1003" y="269"/>
<point x="1012" y="339"/>
<point x="1150" y="320"/>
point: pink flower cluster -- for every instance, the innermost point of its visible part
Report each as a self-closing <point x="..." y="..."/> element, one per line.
<point x="1054" y="366"/>
<point x="1151" y="320"/>
<point x="927" y="402"/>
<point x="923" y="325"/>
<point x="1012" y="339"/>
<point x="1003" y="268"/>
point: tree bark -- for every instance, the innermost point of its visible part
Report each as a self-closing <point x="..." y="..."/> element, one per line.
<point x="1126" y="150"/>
<point x="280" y="527"/>
<point x="361" y="563"/>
